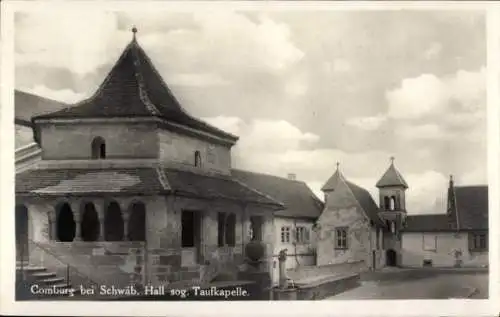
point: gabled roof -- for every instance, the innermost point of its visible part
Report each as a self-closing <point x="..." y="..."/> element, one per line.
<point x="332" y="182"/>
<point x="362" y="196"/>
<point x="27" y="105"/>
<point x="392" y="177"/>
<point x="296" y="196"/>
<point x="366" y="202"/>
<point x="469" y="205"/>
<point x="134" y="88"/>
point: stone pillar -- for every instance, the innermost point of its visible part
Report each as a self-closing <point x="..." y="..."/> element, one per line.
<point x="126" y="217"/>
<point x="100" y="214"/>
<point x="53" y="225"/>
<point x="78" y="224"/>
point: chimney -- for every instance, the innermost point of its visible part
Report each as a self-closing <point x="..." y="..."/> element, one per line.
<point x="292" y="176"/>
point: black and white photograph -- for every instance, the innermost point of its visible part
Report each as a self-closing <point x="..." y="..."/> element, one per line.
<point x="248" y="154"/>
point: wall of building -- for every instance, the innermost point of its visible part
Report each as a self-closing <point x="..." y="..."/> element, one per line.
<point x="175" y="148"/>
<point x="342" y="210"/>
<point x="299" y="254"/>
<point x="74" y="141"/>
<point x="413" y="253"/>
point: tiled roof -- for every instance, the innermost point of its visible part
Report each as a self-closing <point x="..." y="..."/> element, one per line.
<point x="361" y="195"/>
<point x="471" y="209"/>
<point x="429" y="223"/>
<point x="134" y="88"/>
<point x="297" y="197"/>
<point x="366" y="202"/>
<point x="27" y="105"/>
<point x="84" y="181"/>
<point x="137" y="181"/>
<point x="332" y="182"/>
<point x="392" y="177"/>
<point x="215" y="186"/>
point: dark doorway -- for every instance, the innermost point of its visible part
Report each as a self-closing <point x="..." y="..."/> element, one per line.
<point x="90" y="223"/>
<point x="374" y="260"/>
<point x="187" y="229"/>
<point x="21" y="229"/>
<point x="191" y="235"/>
<point x="113" y="223"/>
<point x="137" y="222"/>
<point x="66" y="226"/>
<point x="391" y="258"/>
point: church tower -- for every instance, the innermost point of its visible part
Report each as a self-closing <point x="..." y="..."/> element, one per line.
<point x="392" y="188"/>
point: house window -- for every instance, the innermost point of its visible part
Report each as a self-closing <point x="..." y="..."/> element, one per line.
<point x="341" y="238"/>
<point x="285" y="234"/>
<point x="197" y="159"/>
<point x="429" y="242"/>
<point x="478" y="241"/>
<point x="98" y="148"/>
<point x="301" y="235"/>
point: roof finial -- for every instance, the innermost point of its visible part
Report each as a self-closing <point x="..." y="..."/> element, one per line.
<point x="134" y="31"/>
<point x="338" y="164"/>
<point x="392" y="159"/>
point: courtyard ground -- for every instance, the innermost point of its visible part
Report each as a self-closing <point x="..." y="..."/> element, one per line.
<point x="420" y="284"/>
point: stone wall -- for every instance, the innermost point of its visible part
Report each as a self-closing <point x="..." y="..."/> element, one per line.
<point x="413" y="253"/>
<point x="179" y="149"/>
<point x="74" y="141"/>
<point x="324" y="270"/>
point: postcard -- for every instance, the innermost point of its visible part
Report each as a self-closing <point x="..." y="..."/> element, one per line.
<point x="217" y="157"/>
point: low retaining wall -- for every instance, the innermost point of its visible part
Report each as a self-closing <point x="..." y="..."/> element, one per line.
<point x="305" y="272"/>
<point x="318" y="288"/>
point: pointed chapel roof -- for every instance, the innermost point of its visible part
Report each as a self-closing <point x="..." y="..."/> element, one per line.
<point x="392" y="177"/>
<point x="333" y="181"/>
<point x="362" y="196"/>
<point x="134" y="88"/>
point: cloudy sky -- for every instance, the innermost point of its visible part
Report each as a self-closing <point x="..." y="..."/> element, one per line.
<point x="303" y="90"/>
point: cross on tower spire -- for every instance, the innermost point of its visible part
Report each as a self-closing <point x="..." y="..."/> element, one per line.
<point x="392" y="159"/>
<point x="338" y="164"/>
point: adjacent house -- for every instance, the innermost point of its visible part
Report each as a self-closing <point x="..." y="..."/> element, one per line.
<point x="294" y="224"/>
<point x="457" y="237"/>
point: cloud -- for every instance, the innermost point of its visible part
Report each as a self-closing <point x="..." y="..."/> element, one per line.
<point x="197" y="80"/>
<point x="341" y="65"/>
<point x="427" y="131"/>
<point x="428" y="95"/>
<point x="433" y="51"/>
<point x="48" y="38"/>
<point x="417" y="97"/>
<point x="367" y="123"/>
<point x="64" y="95"/>
<point x="427" y="192"/>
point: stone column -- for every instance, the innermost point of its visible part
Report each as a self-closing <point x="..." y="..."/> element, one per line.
<point x="126" y="217"/>
<point x="100" y="214"/>
<point x="78" y="224"/>
<point x="53" y="225"/>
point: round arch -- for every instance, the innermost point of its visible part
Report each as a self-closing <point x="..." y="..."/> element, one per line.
<point x="66" y="226"/>
<point x="90" y="223"/>
<point x="137" y="222"/>
<point x="113" y="222"/>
